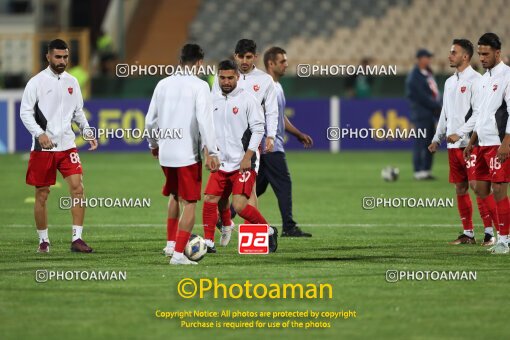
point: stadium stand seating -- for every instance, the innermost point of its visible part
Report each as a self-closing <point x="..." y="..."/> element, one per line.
<point x="390" y="31"/>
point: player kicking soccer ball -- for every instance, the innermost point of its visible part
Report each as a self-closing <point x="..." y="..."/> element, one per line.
<point x="239" y="124"/>
<point x="182" y="101"/>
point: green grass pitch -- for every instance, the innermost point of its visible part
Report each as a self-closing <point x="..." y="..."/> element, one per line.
<point x="351" y="249"/>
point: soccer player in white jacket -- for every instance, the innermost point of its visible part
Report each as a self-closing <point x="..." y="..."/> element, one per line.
<point x="182" y="103"/>
<point x="262" y="86"/>
<point x="458" y="105"/>
<point x="258" y="83"/>
<point x="492" y="132"/>
<point x="51" y="102"/>
<point x="239" y="124"/>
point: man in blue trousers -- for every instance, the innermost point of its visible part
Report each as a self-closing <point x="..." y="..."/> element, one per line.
<point x="423" y="93"/>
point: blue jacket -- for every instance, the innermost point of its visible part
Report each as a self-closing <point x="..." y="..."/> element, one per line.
<point x="423" y="104"/>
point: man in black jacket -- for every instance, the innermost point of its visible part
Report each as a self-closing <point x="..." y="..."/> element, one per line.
<point x="423" y="93"/>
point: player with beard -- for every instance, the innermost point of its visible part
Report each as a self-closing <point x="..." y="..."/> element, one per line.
<point x="492" y="132"/>
<point x="51" y="102"/>
<point x="458" y="105"/>
<point x="261" y="85"/>
<point x="239" y="125"/>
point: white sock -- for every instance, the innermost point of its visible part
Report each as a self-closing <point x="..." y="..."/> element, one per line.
<point x="177" y="255"/>
<point x="469" y="233"/>
<point x="43" y="236"/>
<point x="77" y="229"/>
<point x="170" y="244"/>
<point x="503" y="239"/>
<point x="489" y="230"/>
<point x="209" y="243"/>
<point x="270" y="231"/>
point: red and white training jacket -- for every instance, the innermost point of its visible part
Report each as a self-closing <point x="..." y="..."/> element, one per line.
<point x="458" y="106"/>
<point x="50" y="103"/>
<point x="239" y="125"/>
<point x="181" y="103"/>
<point x="490" y="118"/>
<point x="262" y="86"/>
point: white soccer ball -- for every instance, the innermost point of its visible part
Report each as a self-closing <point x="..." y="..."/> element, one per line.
<point x="390" y="174"/>
<point x="196" y="248"/>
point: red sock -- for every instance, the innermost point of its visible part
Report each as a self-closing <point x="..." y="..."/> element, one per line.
<point x="171" y="229"/>
<point x="252" y="215"/>
<point x="484" y="213"/>
<point x="504" y="216"/>
<point x="465" y="211"/>
<point x="226" y="217"/>
<point x="182" y="240"/>
<point x="209" y="219"/>
<point x="490" y="203"/>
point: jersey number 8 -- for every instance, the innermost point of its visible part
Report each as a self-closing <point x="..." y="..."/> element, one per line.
<point x="74" y="157"/>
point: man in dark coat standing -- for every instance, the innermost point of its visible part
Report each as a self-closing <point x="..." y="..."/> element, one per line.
<point x="423" y="93"/>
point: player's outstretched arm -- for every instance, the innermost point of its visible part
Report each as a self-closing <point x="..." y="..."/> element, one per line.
<point x="302" y="137"/>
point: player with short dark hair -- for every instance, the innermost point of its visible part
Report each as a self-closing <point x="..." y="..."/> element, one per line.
<point x="466" y="45"/>
<point x="492" y="132"/>
<point x="182" y="101"/>
<point x="272" y="54"/>
<point x="239" y="125"/>
<point x="191" y="54"/>
<point x="51" y="102"/>
<point x="243" y="47"/>
<point x="261" y="85"/>
<point x="273" y="166"/>
<point x="458" y="105"/>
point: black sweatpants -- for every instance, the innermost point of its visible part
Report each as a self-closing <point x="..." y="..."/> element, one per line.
<point x="273" y="170"/>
